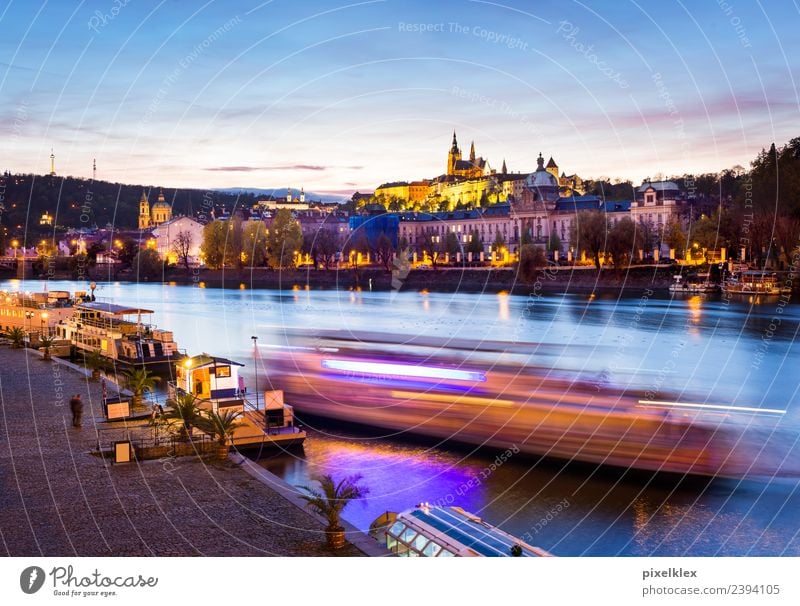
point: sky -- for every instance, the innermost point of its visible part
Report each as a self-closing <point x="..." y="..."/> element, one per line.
<point x="344" y="96"/>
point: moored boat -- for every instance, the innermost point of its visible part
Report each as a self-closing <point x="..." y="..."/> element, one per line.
<point x="265" y="421"/>
<point x="693" y="287"/>
<point x="118" y="333"/>
<point x="427" y="531"/>
<point x="753" y="282"/>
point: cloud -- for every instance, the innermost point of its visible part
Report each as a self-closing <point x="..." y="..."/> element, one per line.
<point x="250" y="169"/>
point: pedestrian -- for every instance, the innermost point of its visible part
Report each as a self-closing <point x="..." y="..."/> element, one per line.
<point x="76" y="406"/>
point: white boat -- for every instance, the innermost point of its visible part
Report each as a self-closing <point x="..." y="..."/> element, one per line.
<point x="754" y="282"/>
<point x="439" y="532"/>
<point x="694" y="287"/>
<point x="35" y="312"/>
<point x="120" y="335"/>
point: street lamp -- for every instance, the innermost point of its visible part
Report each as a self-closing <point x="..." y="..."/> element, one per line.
<point x="44" y="321"/>
<point x="28" y="316"/>
<point x="255" y="364"/>
<point x="15" y="245"/>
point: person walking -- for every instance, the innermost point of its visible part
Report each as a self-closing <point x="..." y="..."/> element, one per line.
<point x="76" y="406"/>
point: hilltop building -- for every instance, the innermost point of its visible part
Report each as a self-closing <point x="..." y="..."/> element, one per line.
<point x="159" y="213"/>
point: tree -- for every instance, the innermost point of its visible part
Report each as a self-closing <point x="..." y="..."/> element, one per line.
<point x="591" y="232"/>
<point x="326" y="245"/>
<point x="475" y="244"/>
<point x="674" y="236"/>
<point x="94" y="361"/>
<point x="622" y="241"/>
<point x="213" y="246"/>
<point x="140" y="381"/>
<point x="357" y="245"/>
<point x="17" y="336"/>
<point x="220" y="426"/>
<point x="254" y="244"/>
<point x="330" y="499"/>
<point x="499" y="242"/>
<point x="452" y="245"/>
<point x="284" y="240"/>
<point x="431" y="245"/>
<point x="45" y="343"/>
<point x="185" y="409"/>
<point x="554" y="242"/>
<point x="531" y="258"/>
<point x="384" y="251"/>
<point x="182" y="246"/>
<point x="148" y="264"/>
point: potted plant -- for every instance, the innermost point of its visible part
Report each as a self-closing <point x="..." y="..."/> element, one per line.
<point x="139" y="381"/>
<point x="17" y="336"/>
<point x="330" y="499"/>
<point x="94" y="361"/>
<point x="184" y="408"/>
<point x="45" y="343"/>
<point x="220" y="425"/>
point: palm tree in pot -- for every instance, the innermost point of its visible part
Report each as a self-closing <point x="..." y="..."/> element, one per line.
<point x="330" y="499"/>
<point x="17" y="336"/>
<point x="94" y="361"/>
<point x="220" y="425"/>
<point x="184" y="408"/>
<point x="140" y="381"/>
<point x="45" y="343"/>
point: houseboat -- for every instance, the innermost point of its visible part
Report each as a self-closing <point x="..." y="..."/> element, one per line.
<point x="692" y="287"/>
<point x="753" y="282"/>
<point x="119" y="333"/>
<point x="35" y="312"/>
<point x="439" y="532"/>
<point x="267" y="422"/>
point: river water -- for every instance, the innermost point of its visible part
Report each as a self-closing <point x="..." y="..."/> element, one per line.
<point x="742" y="352"/>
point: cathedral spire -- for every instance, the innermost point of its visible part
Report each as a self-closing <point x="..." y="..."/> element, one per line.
<point x="472" y="152"/>
<point x="504" y="171"/>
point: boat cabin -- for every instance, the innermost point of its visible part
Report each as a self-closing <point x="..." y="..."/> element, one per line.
<point x="210" y="378"/>
<point x="427" y="531"/>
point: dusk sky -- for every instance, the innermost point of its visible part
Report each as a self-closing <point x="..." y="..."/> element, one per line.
<point x="338" y="97"/>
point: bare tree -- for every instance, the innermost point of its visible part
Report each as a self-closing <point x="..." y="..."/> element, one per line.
<point x="181" y="246"/>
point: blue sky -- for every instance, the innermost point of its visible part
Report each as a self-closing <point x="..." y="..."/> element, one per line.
<point x="340" y="96"/>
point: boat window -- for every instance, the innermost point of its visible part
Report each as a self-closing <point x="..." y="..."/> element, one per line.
<point x="419" y="542"/>
<point x="223" y="371"/>
<point x="391" y="542"/>
<point x="431" y="550"/>
<point x="408" y="535"/>
<point x="397" y="528"/>
<point x="446" y="554"/>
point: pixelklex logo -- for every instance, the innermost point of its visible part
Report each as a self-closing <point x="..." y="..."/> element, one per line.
<point x="31" y="579"/>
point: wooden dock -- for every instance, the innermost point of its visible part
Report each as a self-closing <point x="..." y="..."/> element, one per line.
<point x="254" y="434"/>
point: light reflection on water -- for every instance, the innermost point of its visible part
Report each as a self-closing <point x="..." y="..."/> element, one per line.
<point x="625" y="341"/>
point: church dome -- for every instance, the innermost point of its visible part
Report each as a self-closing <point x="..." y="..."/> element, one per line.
<point x="540" y="178"/>
<point x="162" y="203"/>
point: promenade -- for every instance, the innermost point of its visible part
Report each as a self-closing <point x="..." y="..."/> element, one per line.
<point x="58" y="499"/>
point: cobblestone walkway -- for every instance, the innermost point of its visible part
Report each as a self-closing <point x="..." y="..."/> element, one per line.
<point x="57" y="499"/>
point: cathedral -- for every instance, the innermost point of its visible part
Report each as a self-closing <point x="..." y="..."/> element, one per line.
<point x="473" y="168"/>
<point x="159" y="213"/>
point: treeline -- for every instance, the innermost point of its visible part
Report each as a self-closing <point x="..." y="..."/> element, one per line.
<point x="77" y="203"/>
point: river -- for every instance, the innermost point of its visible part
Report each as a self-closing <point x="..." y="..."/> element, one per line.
<point x="708" y="350"/>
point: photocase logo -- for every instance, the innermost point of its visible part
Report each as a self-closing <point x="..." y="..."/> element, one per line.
<point x="31" y="579"/>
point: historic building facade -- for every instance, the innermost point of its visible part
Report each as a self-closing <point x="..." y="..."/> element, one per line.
<point x="159" y="213"/>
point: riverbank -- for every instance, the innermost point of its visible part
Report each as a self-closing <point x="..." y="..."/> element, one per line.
<point x="61" y="500"/>
<point x="552" y="280"/>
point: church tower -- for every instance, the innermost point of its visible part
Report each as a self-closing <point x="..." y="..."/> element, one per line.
<point x="289" y="195"/>
<point x="302" y="195"/>
<point x="144" y="212"/>
<point x="453" y="157"/>
<point x="552" y="167"/>
<point x="472" y="153"/>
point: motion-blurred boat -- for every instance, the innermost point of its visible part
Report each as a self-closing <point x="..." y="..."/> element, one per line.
<point x="458" y="391"/>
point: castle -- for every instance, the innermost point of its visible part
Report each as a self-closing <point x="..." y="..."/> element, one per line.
<point x="159" y="213"/>
<point x="473" y="168"/>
